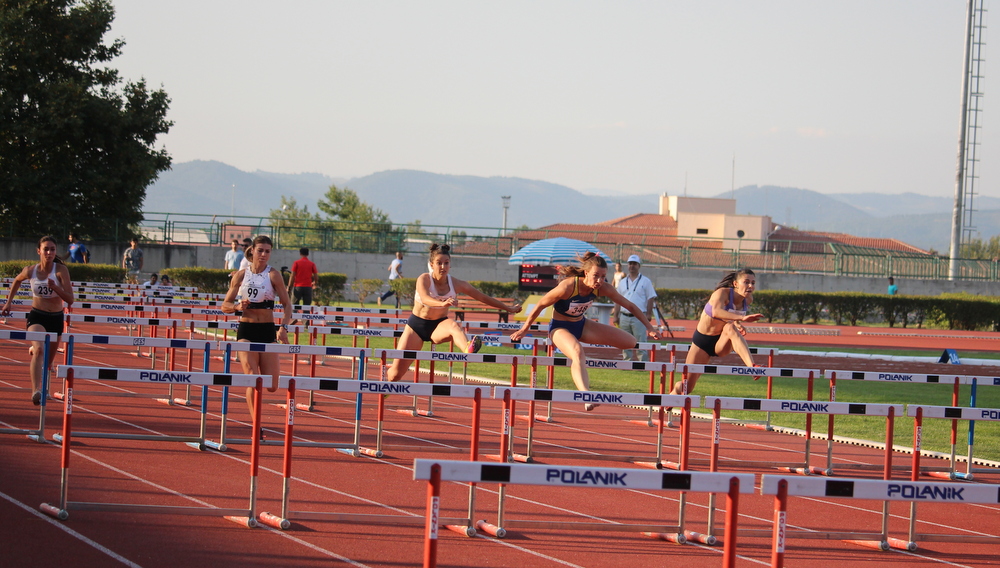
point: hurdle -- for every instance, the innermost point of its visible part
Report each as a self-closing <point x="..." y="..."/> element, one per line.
<point x="511" y="394"/>
<point x="246" y="517"/>
<point x="954" y="380"/>
<point x="37" y="435"/>
<point x="228" y="347"/>
<point x="569" y="476"/>
<point x="152" y="376"/>
<point x="919" y="412"/>
<point x="889" y="411"/>
<point x="360" y="387"/>
<point x="872" y="489"/>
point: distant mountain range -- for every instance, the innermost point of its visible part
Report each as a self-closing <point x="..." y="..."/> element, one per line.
<point x="214" y="188"/>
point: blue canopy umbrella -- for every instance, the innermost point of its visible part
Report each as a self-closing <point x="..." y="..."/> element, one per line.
<point x="559" y="250"/>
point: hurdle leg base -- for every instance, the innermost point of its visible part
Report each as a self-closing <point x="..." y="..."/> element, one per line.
<point x="670" y="465"/>
<point x="354" y="453"/>
<point x="491" y="529"/>
<point x="248" y="522"/>
<point x="167" y="401"/>
<point x="876" y="544"/>
<point x="901" y="544"/>
<point x="428" y="413"/>
<point x="708" y="539"/>
<point x="545" y="419"/>
<point x="406" y="411"/>
<point x="200" y="446"/>
<point x="274" y="521"/>
<point x="523" y="458"/>
<point x="651" y="465"/>
<point x="371" y="453"/>
<point x="182" y="401"/>
<point x="219" y="447"/>
<point x="643" y="422"/>
<point x="464" y="531"/>
<point x="53" y="511"/>
<point x="58" y="395"/>
<point x="764" y="427"/>
<point x="37" y="438"/>
<point x="963" y="476"/>
<point x="675" y="538"/>
<point x="949" y="475"/>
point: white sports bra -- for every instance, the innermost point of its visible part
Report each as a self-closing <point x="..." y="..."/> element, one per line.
<point x="40" y="286"/>
<point x="257" y="287"/>
<point x="451" y="292"/>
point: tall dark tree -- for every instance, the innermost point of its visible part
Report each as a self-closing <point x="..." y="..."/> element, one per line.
<point x="76" y="145"/>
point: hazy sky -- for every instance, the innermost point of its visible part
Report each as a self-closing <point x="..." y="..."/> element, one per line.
<point x="632" y="97"/>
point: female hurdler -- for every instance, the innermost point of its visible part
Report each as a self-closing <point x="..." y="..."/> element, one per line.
<point x="570" y="299"/>
<point x="258" y="285"/>
<point x="436" y="293"/>
<point x="50" y="289"/>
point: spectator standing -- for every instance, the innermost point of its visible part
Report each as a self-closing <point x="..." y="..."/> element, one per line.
<point x="618" y="275"/>
<point x="395" y="271"/>
<point x="244" y="261"/>
<point x="78" y="251"/>
<point x="303" y="278"/>
<point x="892" y="289"/>
<point x="233" y="257"/>
<point x="639" y="290"/>
<point x="132" y="262"/>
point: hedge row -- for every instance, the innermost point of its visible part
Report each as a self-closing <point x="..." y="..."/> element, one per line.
<point x="77" y="272"/>
<point x="954" y="311"/>
<point x="329" y="288"/>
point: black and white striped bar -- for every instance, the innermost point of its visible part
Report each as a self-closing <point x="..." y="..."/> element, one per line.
<point x="159" y="377"/>
<point x="26" y="335"/>
<point x="749" y="371"/>
<point x="883" y="490"/>
<point x="474" y="325"/>
<point x="888" y="376"/>
<point x="85" y="338"/>
<point x="804" y="406"/>
<point x="349" y="331"/>
<point x="291" y="348"/>
<point x="382" y="387"/>
<point x="958" y="413"/>
<point x="447" y="356"/>
<point x="113" y="307"/>
<point x="183" y="324"/>
<point x="581" y="476"/>
<point x="596" y="397"/>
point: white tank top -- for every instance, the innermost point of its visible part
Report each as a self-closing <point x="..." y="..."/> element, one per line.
<point x="257" y="287"/>
<point x="40" y="286"/>
<point x="451" y="292"/>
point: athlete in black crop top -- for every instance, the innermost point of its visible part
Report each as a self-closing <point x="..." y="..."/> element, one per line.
<point x="569" y="326"/>
<point x="436" y="292"/>
<point x="720" y="330"/>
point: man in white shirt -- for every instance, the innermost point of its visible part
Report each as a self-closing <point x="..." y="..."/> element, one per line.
<point x="639" y="290"/>
<point x="233" y="257"/>
<point x="395" y="271"/>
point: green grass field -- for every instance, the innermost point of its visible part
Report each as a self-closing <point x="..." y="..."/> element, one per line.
<point x="936" y="432"/>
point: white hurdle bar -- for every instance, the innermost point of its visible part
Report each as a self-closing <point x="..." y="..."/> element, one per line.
<point x="578" y="477"/>
<point x="783" y="487"/>
<point x="361" y="387"/>
<point x="246" y="517"/>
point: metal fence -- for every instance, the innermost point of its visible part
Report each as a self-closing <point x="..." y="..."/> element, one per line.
<point x="688" y="252"/>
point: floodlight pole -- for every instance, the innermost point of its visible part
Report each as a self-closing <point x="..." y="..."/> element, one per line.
<point x="506" y="205"/>
<point x="957" y="212"/>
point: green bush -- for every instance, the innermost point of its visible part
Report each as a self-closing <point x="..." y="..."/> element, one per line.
<point x="329" y="288"/>
<point x="77" y="272"/>
<point x="364" y="287"/>
<point x="207" y="280"/>
<point x="405" y="289"/>
<point x="681" y="304"/>
<point x="496" y="289"/>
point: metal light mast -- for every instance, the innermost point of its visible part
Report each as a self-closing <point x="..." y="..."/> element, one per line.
<point x="962" y="228"/>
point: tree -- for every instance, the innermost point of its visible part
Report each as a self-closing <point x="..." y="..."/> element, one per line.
<point x="357" y="226"/>
<point x="296" y="227"/>
<point x="76" y="146"/>
<point x="976" y="249"/>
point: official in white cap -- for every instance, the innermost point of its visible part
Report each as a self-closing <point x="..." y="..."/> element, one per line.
<point x="639" y="290"/>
